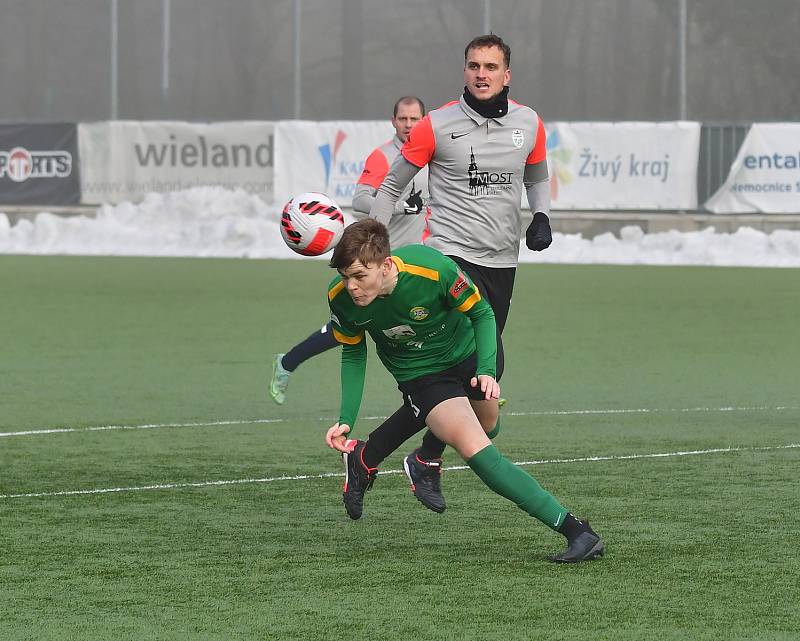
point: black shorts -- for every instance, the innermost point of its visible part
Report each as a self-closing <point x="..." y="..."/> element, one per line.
<point x="496" y="284"/>
<point x="422" y="394"/>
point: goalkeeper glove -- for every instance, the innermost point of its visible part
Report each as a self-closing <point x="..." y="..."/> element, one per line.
<point x="413" y="204"/>
<point x="539" y="236"/>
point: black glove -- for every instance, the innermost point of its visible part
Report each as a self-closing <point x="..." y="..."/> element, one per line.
<point x="413" y="204"/>
<point x="539" y="236"/>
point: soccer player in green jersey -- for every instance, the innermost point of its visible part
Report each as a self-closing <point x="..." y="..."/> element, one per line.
<point x="437" y="336"/>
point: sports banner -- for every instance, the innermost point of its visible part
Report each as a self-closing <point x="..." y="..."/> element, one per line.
<point x="765" y="177"/>
<point x="324" y="156"/>
<point x="125" y="160"/>
<point x="39" y="164"/>
<point x="631" y="165"/>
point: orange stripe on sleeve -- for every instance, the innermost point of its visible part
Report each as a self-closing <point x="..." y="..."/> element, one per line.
<point x="344" y="338"/>
<point x="470" y="302"/>
<point x="539" y="151"/>
<point x="421" y="143"/>
<point x="375" y="169"/>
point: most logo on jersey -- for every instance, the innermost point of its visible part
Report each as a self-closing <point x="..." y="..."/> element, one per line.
<point x="485" y="182"/>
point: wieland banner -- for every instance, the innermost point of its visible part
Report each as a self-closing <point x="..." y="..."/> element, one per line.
<point x="631" y="165"/>
<point x="324" y="156"/>
<point x="765" y="177"/>
<point x="39" y="164"/>
<point x="124" y="160"/>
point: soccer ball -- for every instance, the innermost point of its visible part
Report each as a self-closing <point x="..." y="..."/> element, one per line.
<point x="311" y="224"/>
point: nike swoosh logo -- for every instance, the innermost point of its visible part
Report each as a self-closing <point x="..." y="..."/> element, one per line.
<point x="365" y="322"/>
<point x="455" y="135"/>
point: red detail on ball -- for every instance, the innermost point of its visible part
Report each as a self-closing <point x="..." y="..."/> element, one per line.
<point x="319" y="244"/>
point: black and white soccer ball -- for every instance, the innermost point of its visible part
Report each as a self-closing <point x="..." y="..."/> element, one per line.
<point x="312" y="224"/>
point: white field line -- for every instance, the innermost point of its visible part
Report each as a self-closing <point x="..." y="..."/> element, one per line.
<point x="148" y="426"/>
<point x="258" y="421"/>
<point x="326" y="475"/>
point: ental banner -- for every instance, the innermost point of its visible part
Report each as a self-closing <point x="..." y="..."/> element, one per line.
<point x="327" y="157"/>
<point x="632" y="165"/>
<point x="765" y="177"/>
<point x="39" y="164"/>
<point x="125" y="160"/>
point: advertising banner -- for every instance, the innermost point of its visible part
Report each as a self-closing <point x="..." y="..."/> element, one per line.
<point x="765" y="177"/>
<point x="39" y="164"/>
<point x="125" y="160"/>
<point x="327" y="157"/>
<point x="631" y="165"/>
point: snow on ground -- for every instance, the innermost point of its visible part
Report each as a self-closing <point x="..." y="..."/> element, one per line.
<point x="209" y="221"/>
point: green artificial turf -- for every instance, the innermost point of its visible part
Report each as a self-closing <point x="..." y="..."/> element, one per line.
<point x="197" y="527"/>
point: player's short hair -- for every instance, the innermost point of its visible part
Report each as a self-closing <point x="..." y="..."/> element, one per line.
<point x="489" y="40"/>
<point x="408" y="100"/>
<point x="366" y="241"/>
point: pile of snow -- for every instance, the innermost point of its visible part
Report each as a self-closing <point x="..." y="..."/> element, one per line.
<point x="210" y="221"/>
<point x="204" y="221"/>
<point x="746" y="247"/>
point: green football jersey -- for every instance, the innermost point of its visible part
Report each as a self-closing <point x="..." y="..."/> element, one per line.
<point x="429" y="322"/>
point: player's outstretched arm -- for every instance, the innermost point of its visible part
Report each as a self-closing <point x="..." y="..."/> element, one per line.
<point x="400" y="174"/>
<point x="363" y="199"/>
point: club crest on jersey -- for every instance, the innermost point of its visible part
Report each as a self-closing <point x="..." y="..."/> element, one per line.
<point x="518" y="138"/>
<point x="459" y="286"/>
<point x="418" y="313"/>
<point x="401" y="331"/>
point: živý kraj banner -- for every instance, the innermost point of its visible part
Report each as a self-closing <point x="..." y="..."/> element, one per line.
<point x="765" y="177"/>
<point x="124" y="160"/>
<point x="634" y="165"/>
<point x="327" y="157"/>
<point x="39" y="164"/>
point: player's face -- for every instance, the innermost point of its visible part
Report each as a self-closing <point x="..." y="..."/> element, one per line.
<point x="364" y="283"/>
<point x="485" y="72"/>
<point x="407" y="116"/>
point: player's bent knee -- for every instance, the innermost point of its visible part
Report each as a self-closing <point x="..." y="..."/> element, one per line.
<point x="470" y="446"/>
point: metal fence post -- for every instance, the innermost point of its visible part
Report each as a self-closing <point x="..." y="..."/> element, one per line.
<point x="682" y="26"/>
<point x="165" y="42"/>
<point x="297" y="66"/>
<point x="114" y="61"/>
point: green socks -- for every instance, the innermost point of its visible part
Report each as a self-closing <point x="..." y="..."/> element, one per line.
<point x="514" y="483"/>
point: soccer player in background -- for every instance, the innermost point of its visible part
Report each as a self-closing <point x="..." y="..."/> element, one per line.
<point x="481" y="151"/>
<point x="406" y="225"/>
<point x="437" y="336"/>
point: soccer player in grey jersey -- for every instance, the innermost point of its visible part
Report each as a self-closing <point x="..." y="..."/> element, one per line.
<point x="407" y="223"/>
<point x="480" y="150"/>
